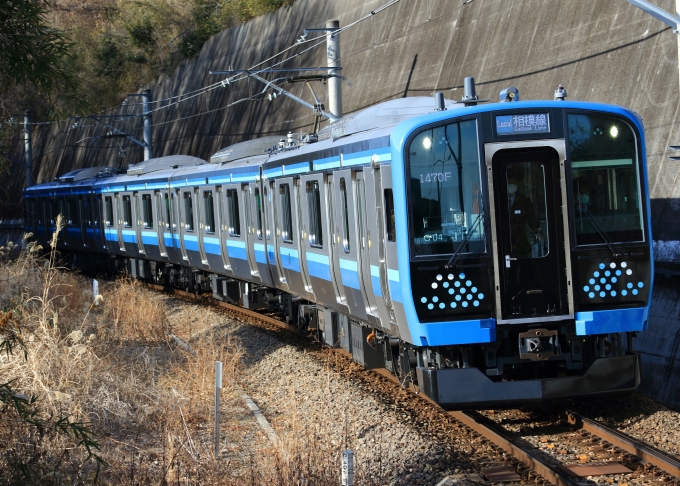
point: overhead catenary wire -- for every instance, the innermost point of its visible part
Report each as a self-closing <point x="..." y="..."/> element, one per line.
<point x="181" y="98"/>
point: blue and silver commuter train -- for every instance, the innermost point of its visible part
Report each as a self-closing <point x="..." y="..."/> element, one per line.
<point x="490" y="254"/>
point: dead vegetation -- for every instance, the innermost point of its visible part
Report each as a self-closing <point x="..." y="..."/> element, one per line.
<point x="92" y="390"/>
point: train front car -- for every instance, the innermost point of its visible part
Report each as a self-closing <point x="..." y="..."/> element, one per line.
<point x="524" y="249"/>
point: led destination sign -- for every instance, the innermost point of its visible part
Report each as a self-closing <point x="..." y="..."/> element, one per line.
<point x="524" y="123"/>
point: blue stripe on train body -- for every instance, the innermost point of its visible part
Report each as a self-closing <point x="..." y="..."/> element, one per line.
<point x="150" y="238"/>
<point x="290" y="258"/>
<point x="375" y="281"/>
<point x="111" y="234"/>
<point x="129" y="236"/>
<point x="167" y="239"/>
<point x="236" y="249"/>
<point x="349" y="273"/>
<point x="271" y="253"/>
<point x="211" y="245"/>
<point x="260" y="255"/>
<point x="190" y="242"/>
<point x="318" y="265"/>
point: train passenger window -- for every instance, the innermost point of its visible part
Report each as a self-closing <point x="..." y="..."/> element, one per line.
<point x="72" y="211"/>
<point x="389" y="216"/>
<point x="147" y="211"/>
<point x="314" y="208"/>
<point x="266" y="198"/>
<point x="361" y="209"/>
<point x="167" y="210"/>
<point x="605" y="180"/>
<point x="108" y="204"/>
<point x="286" y="214"/>
<point x="127" y="212"/>
<point x="234" y="215"/>
<point x="82" y="214"/>
<point x="258" y="211"/>
<point x="446" y="200"/>
<point x="188" y="212"/>
<point x="209" y="208"/>
<point x="345" y="215"/>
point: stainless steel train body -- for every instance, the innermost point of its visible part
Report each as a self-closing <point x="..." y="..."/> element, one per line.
<point x="491" y="255"/>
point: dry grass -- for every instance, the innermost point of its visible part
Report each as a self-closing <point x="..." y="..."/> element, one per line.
<point x="100" y="394"/>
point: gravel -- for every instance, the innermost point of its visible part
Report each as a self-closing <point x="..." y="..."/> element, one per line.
<point x="321" y="402"/>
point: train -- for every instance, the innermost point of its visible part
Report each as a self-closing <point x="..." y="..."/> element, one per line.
<point x="488" y="254"/>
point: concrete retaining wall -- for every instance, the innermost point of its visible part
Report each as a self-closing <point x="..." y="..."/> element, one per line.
<point x="606" y="51"/>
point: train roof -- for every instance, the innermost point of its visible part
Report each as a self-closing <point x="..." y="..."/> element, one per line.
<point x="358" y="138"/>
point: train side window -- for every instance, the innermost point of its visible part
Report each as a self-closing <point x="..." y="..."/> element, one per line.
<point x="360" y="209"/>
<point x="188" y="211"/>
<point x="127" y="212"/>
<point x="266" y="194"/>
<point x="167" y="210"/>
<point x="108" y="204"/>
<point x="314" y="208"/>
<point x="389" y="216"/>
<point x="234" y="216"/>
<point x="345" y="215"/>
<point x="258" y="211"/>
<point x="72" y="210"/>
<point x="209" y="208"/>
<point x="82" y="214"/>
<point x="286" y="215"/>
<point x="147" y="211"/>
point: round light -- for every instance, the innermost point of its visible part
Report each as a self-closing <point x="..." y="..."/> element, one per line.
<point x="427" y="143"/>
<point x="614" y="131"/>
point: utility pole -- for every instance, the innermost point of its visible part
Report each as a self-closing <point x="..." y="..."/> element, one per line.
<point x="333" y="61"/>
<point x="27" y="147"/>
<point x="148" y="149"/>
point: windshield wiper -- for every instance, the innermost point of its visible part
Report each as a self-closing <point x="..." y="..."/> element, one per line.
<point x="465" y="240"/>
<point x="600" y="231"/>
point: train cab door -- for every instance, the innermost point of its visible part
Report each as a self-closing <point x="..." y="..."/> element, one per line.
<point x="182" y="221"/>
<point x="162" y="222"/>
<point x="210" y="242"/>
<point x="376" y="246"/>
<point x="222" y="224"/>
<point x="256" y="219"/>
<point x="119" y="220"/>
<point x="254" y="248"/>
<point x="201" y="223"/>
<point x="315" y="240"/>
<point x="270" y="234"/>
<point x="336" y="245"/>
<point x="363" y="245"/>
<point x="530" y="231"/>
<point x="138" y="221"/>
<point x="288" y="235"/>
<point x="236" y="228"/>
<point x="346" y="231"/>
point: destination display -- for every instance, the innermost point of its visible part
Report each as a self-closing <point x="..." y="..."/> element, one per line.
<point x="524" y="123"/>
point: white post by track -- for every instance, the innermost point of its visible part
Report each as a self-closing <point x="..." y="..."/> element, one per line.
<point x="218" y="387"/>
<point x="333" y="60"/>
<point x="95" y="292"/>
<point x="347" y="468"/>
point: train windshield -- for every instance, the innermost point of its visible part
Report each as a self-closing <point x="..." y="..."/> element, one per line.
<point x="605" y="180"/>
<point x="446" y="199"/>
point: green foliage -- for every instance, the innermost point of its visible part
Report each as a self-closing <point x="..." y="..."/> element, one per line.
<point x="30" y="50"/>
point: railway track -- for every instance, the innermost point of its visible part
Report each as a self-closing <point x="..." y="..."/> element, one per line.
<point x="562" y="447"/>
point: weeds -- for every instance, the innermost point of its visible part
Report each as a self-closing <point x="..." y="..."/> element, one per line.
<point x="98" y="394"/>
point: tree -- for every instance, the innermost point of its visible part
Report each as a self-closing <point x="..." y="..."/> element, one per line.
<point x="30" y="50"/>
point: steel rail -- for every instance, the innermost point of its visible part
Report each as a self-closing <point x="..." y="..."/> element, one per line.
<point x="646" y="453"/>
